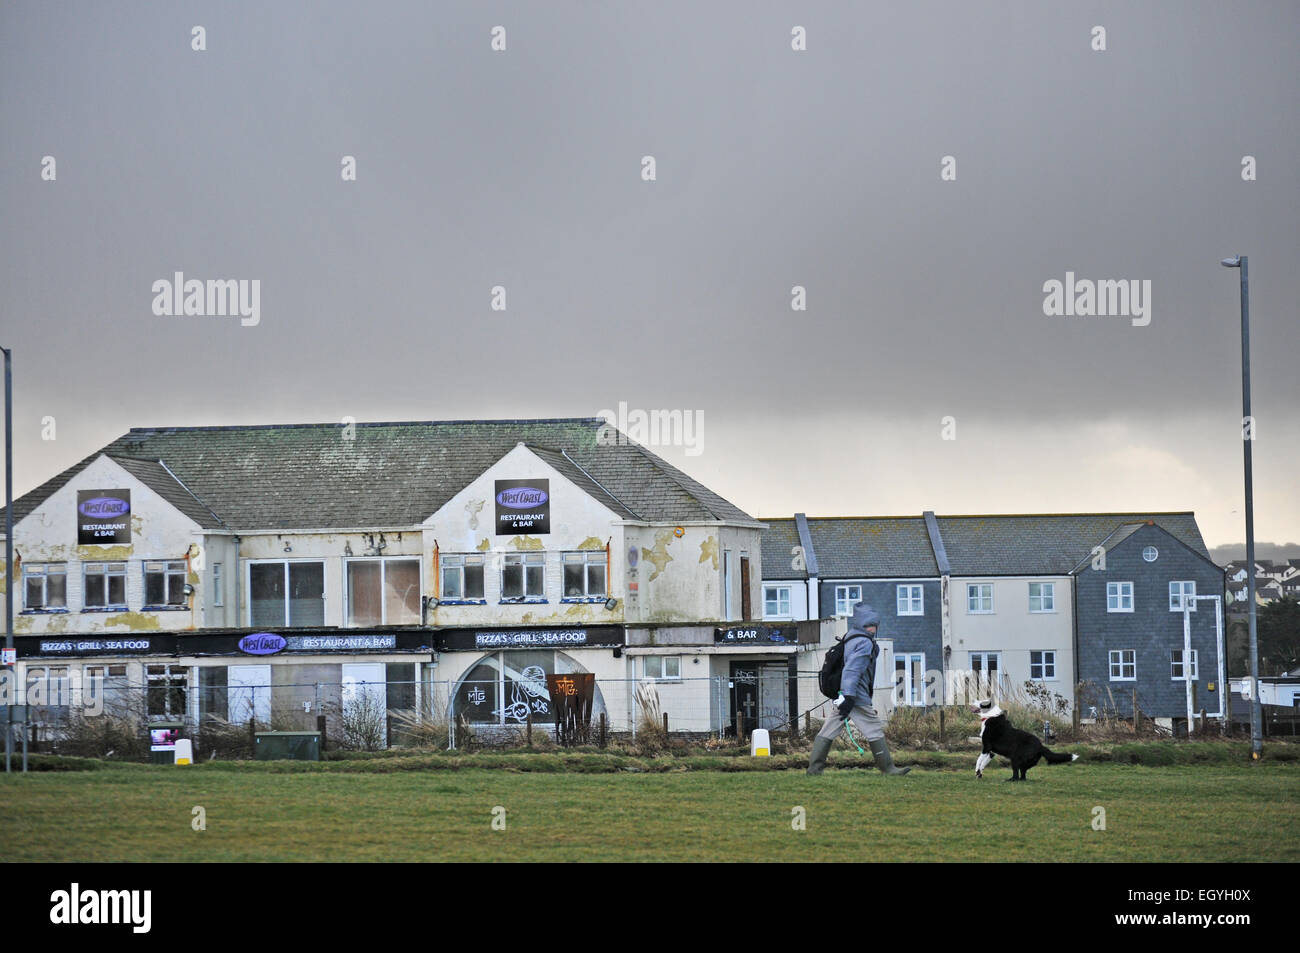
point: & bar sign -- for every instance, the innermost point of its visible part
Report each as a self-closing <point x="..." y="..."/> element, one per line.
<point x="755" y="635"/>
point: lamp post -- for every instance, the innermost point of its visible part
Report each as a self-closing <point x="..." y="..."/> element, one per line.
<point x="1247" y="437"/>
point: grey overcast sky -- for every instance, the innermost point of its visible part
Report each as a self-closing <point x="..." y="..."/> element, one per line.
<point x="774" y="168"/>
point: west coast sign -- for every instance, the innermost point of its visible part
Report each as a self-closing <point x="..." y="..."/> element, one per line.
<point x="523" y="506"/>
<point x="103" y="517"/>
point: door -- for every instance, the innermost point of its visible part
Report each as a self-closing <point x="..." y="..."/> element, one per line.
<point x="249" y="694"/>
<point x="365" y="704"/>
<point x="986" y="675"/>
<point x="773" y="695"/>
<point x="909" y="678"/>
<point x="745" y="707"/>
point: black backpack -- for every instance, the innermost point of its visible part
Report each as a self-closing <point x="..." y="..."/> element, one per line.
<point x="828" y="680"/>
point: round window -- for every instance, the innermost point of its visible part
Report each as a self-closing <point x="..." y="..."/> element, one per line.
<point x="1150" y="554"/>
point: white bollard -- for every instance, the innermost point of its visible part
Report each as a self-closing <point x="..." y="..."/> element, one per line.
<point x="759" y="745"/>
<point x="184" y="751"/>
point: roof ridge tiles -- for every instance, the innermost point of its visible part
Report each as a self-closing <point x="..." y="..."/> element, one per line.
<point x="505" y="421"/>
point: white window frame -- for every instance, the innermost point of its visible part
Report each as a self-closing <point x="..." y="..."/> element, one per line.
<point x="845" y="600"/>
<point x="168" y="678"/>
<point x="1048" y="590"/>
<point x="1176" y="664"/>
<point x="783" y="597"/>
<point x="982" y="672"/>
<point x="218" y="590"/>
<point x="906" y="692"/>
<point x="1046" y="663"/>
<point x="120" y="687"/>
<point x="1116" y="590"/>
<point x="1154" y="554"/>
<point x="171" y="568"/>
<point x="979" y="596"/>
<point x="43" y="571"/>
<point x="1121" y="659"/>
<point x="909" y="594"/>
<point x="87" y="570"/>
<point x="587" y="558"/>
<point x="524" y="561"/>
<point x="57" y="692"/>
<point x="383" y="581"/>
<point x="659" y="671"/>
<point x="458" y="562"/>
<point x="1182" y="595"/>
<point x="288" y="623"/>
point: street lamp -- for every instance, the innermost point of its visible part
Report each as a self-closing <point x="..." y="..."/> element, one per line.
<point x="1247" y="437"/>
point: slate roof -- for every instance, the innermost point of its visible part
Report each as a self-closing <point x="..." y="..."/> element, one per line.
<point x="307" y="476"/>
<point x="994" y="545"/>
<point x="780" y="537"/>
<point x="1049" y="544"/>
<point x="850" y="547"/>
<point x="153" y="474"/>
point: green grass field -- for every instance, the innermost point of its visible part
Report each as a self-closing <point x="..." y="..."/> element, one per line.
<point x="267" y="812"/>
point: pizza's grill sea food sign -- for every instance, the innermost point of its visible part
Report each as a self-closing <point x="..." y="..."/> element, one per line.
<point x="103" y="517"/>
<point x="516" y="638"/>
<point x="523" y="506"/>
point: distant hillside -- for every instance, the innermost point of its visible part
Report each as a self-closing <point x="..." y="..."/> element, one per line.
<point x="1274" y="552"/>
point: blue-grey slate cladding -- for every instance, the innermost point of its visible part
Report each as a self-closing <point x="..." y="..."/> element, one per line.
<point x="911" y="633"/>
<point x="1151" y="629"/>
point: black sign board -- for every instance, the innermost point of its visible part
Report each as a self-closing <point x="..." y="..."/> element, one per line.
<point x="523" y="506"/>
<point x="756" y="635"/>
<point x="490" y="640"/>
<point x="340" y="643"/>
<point x="103" y="517"/>
<point x="286" y="641"/>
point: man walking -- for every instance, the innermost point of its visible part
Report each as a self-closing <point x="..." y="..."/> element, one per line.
<point x="854" y="701"/>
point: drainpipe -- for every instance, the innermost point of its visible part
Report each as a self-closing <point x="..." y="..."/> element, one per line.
<point x="941" y="563"/>
<point x="238" y="572"/>
<point x="1218" y="633"/>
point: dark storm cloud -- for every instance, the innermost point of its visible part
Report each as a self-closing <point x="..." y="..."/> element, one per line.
<point x="775" y="169"/>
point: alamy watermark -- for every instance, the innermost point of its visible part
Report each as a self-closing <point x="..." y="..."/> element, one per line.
<point x="1083" y="297"/>
<point x="127" y="907"/>
<point x="217" y="296"/>
<point x="45" y="692"/>
<point x="661" y="428"/>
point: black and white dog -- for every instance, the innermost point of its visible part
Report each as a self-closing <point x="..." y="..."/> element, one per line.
<point x="1021" y="747"/>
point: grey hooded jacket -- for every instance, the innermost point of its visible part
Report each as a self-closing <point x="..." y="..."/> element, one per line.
<point x="860" y="654"/>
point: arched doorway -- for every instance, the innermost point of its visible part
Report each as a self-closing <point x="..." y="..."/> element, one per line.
<point x="504" y="688"/>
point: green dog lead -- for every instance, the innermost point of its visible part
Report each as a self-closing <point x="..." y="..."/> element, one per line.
<point x="849" y="725"/>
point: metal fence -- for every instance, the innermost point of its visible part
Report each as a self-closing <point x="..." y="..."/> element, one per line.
<point x="109" y="716"/>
